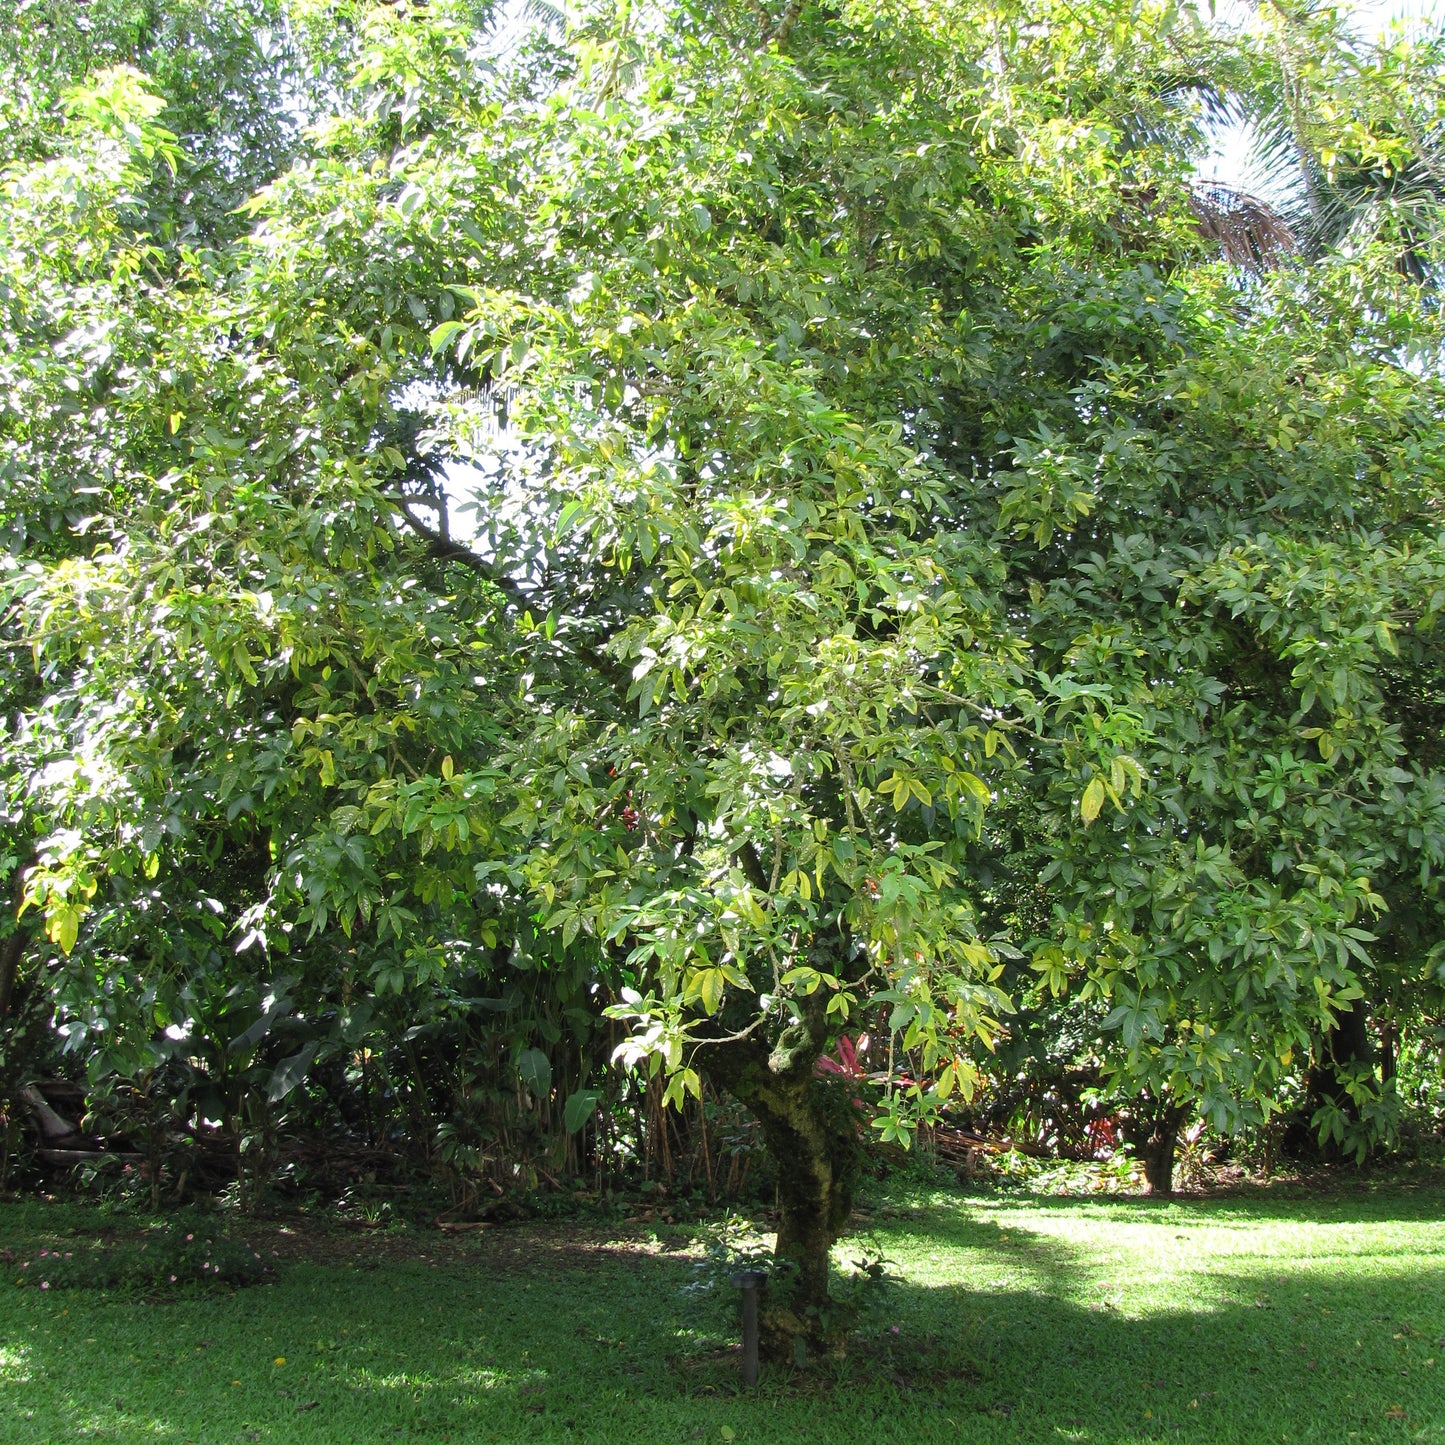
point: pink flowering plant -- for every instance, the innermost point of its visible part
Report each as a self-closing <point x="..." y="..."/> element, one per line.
<point x="161" y="1258"/>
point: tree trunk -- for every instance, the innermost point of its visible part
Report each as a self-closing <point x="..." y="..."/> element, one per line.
<point x="1343" y="1050"/>
<point x="1154" y="1133"/>
<point x="53" y="1127"/>
<point x="1345" y="1046"/>
<point x="810" y="1128"/>
<point x="12" y="948"/>
<point x="11" y="951"/>
<point x="1157" y="1156"/>
<point x="814" y="1148"/>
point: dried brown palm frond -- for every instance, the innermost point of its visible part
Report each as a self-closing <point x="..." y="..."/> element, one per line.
<point x="1248" y="231"/>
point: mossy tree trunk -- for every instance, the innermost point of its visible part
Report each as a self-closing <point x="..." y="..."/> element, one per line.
<point x="814" y="1149"/>
<point x="810" y="1127"/>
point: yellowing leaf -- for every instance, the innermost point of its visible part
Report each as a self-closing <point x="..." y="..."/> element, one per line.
<point x="710" y="983"/>
<point x="977" y="787"/>
<point x="747" y="905"/>
<point x="63" y="926"/>
<point x="1092" y="800"/>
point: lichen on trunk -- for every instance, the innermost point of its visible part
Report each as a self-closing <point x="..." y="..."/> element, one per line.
<point x="810" y="1128"/>
<point x="811" y="1136"/>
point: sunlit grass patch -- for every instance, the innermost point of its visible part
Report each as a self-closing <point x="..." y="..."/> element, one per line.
<point x="1015" y="1319"/>
<point x="14" y="1365"/>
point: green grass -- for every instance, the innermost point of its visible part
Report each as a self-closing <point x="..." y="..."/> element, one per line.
<point x="1253" y="1320"/>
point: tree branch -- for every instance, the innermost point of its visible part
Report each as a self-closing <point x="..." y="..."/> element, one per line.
<point x="785" y="25"/>
<point x="752" y="867"/>
<point x="790" y="19"/>
<point x="12" y="950"/>
<point x="444" y="549"/>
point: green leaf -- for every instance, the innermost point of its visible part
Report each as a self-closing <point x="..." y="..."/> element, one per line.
<point x="534" y="1069"/>
<point x="579" y="1108"/>
<point x="291" y="1072"/>
<point x="710" y="984"/>
<point x="567" y="516"/>
<point x="442" y="335"/>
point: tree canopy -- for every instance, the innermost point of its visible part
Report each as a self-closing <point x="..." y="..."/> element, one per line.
<point x="784" y="512"/>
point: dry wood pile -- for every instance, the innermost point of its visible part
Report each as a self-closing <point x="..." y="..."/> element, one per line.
<point x="55" y="1106"/>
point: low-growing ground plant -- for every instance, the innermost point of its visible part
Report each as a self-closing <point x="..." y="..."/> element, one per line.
<point x="170" y="1256"/>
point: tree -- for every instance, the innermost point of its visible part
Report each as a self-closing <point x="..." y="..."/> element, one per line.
<point x="840" y="395"/>
<point x="1269" y="612"/>
<point x="1348" y="130"/>
<point x="1294" y="623"/>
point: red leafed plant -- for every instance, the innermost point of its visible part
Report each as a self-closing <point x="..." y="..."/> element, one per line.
<point x="1103" y="1136"/>
<point x="845" y="1061"/>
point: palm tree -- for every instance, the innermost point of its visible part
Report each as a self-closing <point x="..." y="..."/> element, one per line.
<point x="1349" y="133"/>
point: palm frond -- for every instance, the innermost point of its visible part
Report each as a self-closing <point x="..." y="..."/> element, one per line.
<point x="549" y="16"/>
<point x="1248" y="231"/>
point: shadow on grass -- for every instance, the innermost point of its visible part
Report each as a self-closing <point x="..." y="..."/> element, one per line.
<point x="1264" y="1356"/>
<point x="1007" y="1333"/>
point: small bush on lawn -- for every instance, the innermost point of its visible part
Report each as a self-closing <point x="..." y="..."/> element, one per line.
<point x="170" y="1258"/>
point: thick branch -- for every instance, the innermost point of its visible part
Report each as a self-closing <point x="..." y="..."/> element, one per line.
<point x="785" y="25"/>
<point x="725" y="1060"/>
<point x="12" y="949"/>
<point x="790" y="19"/>
<point x="752" y="866"/>
<point x="11" y="952"/>
<point x="444" y="549"/>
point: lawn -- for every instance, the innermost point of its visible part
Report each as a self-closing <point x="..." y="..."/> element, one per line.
<point x="1257" y="1318"/>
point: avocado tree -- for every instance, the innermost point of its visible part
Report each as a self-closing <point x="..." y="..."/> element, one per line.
<point x="1273" y="618"/>
<point x="1259" y="574"/>
<point x="695" y="492"/>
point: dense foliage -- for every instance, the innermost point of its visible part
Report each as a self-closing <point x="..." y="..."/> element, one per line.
<point x="714" y="530"/>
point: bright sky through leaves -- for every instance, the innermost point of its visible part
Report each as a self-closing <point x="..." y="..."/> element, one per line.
<point x="1232" y="159"/>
